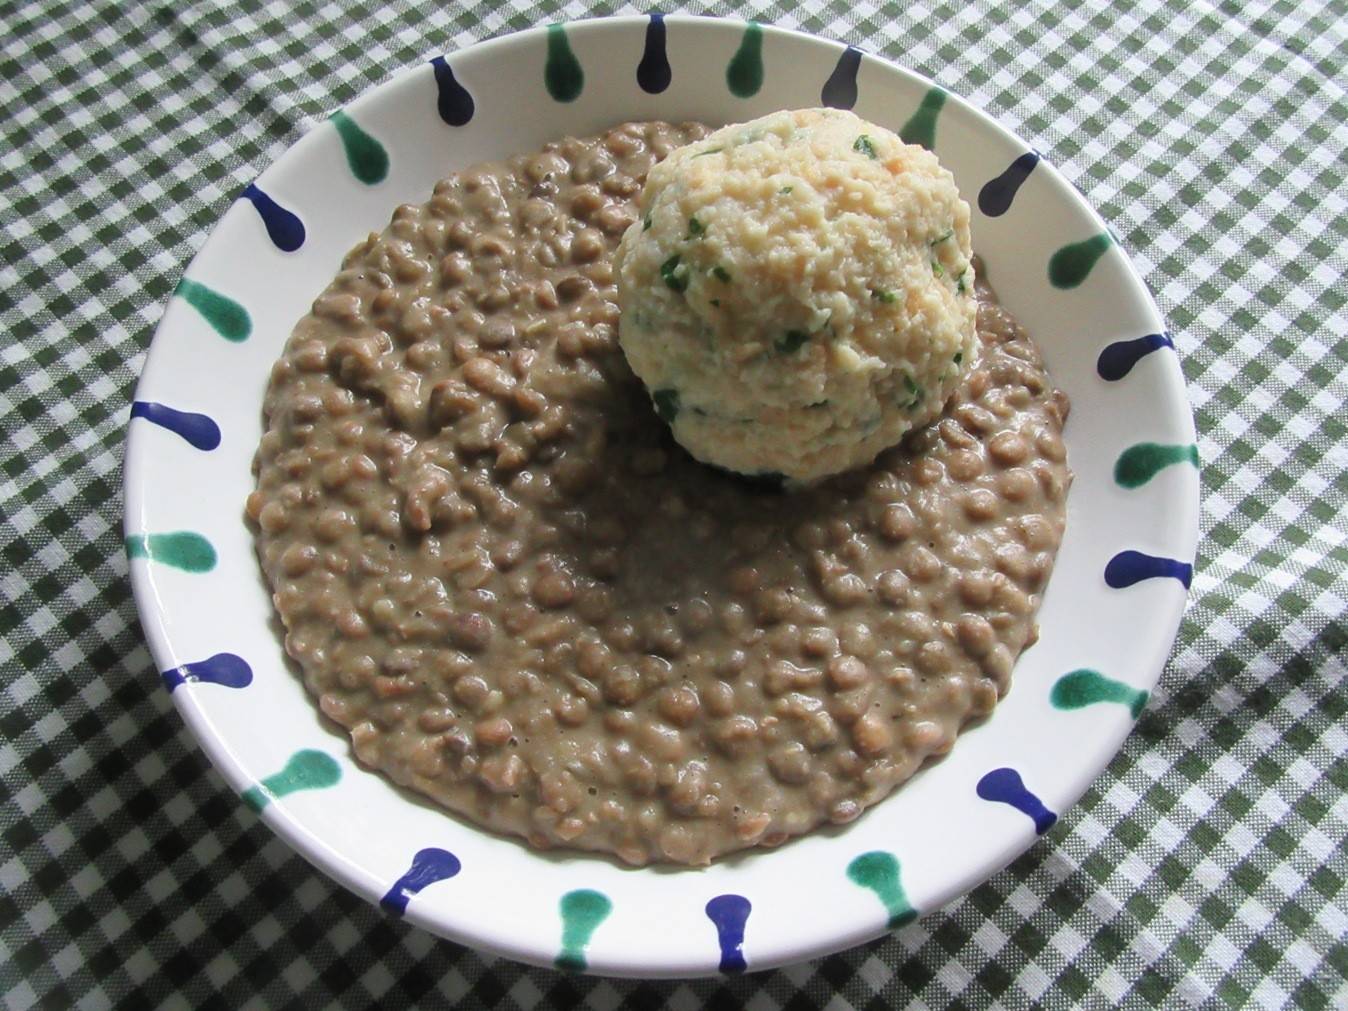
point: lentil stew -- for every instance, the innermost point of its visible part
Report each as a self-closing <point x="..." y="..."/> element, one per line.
<point x="523" y="600"/>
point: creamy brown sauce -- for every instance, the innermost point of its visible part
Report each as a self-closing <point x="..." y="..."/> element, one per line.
<point x="525" y="601"/>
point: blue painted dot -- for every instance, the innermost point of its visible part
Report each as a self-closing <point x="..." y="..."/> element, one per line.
<point x="196" y="429"/>
<point x="730" y="913"/>
<point x="1129" y="567"/>
<point x="284" y="227"/>
<point x="428" y="866"/>
<point x="224" y="669"/>
<point x="840" y="90"/>
<point x="995" y="198"/>
<point x="653" y="73"/>
<point x="1004" y="786"/>
<point x="1118" y="359"/>
<point x="452" y="101"/>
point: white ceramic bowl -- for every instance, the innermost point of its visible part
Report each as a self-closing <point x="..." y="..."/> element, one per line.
<point x="1112" y="607"/>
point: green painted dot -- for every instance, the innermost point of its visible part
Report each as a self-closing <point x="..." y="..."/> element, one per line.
<point x="1072" y="264"/>
<point x="181" y="549"/>
<point x="306" y="770"/>
<point x="744" y="75"/>
<point x="582" y="911"/>
<point x="365" y="155"/>
<point x="255" y="798"/>
<point x="1083" y="688"/>
<point x="226" y="317"/>
<point x="562" y="73"/>
<point x="921" y="126"/>
<point x="1139" y="464"/>
<point x="880" y="872"/>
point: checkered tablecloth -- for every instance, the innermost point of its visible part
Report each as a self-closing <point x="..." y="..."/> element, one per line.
<point x="1206" y="867"/>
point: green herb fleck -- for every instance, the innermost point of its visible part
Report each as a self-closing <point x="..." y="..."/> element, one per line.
<point x="941" y="238"/>
<point x="674" y="273"/>
<point x="710" y="150"/>
<point x="865" y="146"/>
<point x="785" y="190"/>
<point x="959" y="357"/>
<point x="646" y="224"/>
<point x="720" y="273"/>
<point x="884" y="295"/>
<point x="792" y="340"/>
<point x="961" y="287"/>
<point x="716" y="302"/>
<point x="818" y="404"/>
<point x="937" y="269"/>
<point x="914" y="390"/>
<point x="666" y="404"/>
<point x="696" y="228"/>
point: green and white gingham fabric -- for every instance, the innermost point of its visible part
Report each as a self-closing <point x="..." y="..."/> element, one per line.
<point x="1205" y="868"/>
